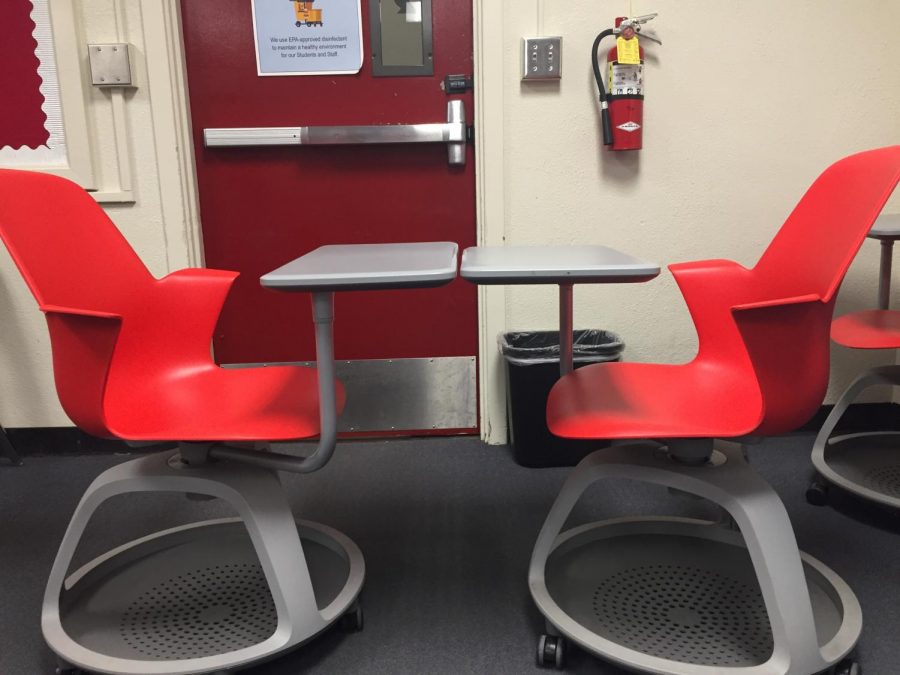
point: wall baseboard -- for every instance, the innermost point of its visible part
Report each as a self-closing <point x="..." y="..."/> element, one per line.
<point x="61" y="441"/>
<point x="37" y="441"/>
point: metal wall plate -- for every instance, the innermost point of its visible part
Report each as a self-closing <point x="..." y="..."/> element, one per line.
<point x="110" y="64"/>
<point x="404" y="394"/>
<point x="542" y="58"/>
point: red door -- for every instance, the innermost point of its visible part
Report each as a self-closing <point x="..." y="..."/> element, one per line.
<point x="263" y="206"/>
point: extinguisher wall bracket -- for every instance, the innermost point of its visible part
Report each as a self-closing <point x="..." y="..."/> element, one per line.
<point x="635" y="22"/>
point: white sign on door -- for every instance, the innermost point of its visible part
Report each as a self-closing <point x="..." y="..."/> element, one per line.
<point x="315" y="37"/>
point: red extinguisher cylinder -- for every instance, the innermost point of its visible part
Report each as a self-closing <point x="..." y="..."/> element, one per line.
<point x="626" y="110"/>
<point x="626" y="117"/>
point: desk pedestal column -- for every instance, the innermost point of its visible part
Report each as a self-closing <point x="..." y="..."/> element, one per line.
<point x="566" y="318"/>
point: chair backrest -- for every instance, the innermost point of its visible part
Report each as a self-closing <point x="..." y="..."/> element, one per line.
<point x="66" y="248"/>
<point x="789" y="345"/>
<point x="72" y="256"/>
<point x="828" y="225"/>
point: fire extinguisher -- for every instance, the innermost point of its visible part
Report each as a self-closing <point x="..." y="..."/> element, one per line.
<point x="622" y="105"/>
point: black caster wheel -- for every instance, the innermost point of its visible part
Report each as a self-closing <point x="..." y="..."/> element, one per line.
<point x="551" y="652"/>
<point x="298" y="24"/>
<point x="68" y="669"/>
<point x="817" y="493"/>
<point x="847" y="667"/>
<point x="352" y="621"/>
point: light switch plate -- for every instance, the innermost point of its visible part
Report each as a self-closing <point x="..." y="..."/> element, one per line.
<point x="110" y="64"/>
<point x="542" y="58"/>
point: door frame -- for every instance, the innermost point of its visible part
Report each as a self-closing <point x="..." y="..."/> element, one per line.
<point x="167" y="82"/>
<point x="165" y="61"/>
<point x="490" y="221"/>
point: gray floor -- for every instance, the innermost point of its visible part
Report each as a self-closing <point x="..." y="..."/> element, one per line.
<point x="446" y="526"/>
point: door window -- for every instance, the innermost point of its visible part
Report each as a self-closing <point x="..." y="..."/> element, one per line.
<point x="401" y="37"/>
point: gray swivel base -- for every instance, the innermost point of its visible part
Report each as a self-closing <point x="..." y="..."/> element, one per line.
<point x="680" y="596"/>
<point x="864" y="464"/>
<point x="207" y="597"/>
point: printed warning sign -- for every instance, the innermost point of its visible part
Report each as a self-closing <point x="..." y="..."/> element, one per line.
<point x="307" y="38"/>
<point x="626" y="79"/>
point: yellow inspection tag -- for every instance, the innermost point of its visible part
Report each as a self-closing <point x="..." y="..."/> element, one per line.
<point x="628" y="51"/>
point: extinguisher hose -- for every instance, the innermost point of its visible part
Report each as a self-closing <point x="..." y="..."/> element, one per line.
<point x="604" y="110"/>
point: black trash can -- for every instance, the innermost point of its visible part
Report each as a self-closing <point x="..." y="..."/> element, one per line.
<point x="532" y="368"/>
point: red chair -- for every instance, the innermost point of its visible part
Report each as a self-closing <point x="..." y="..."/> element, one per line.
<point x="131" y="360"/>
<point x="669" y="595"/>
<point x="866" y="464"/>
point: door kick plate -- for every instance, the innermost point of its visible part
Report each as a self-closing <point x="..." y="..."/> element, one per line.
<point x="403" y="394"/>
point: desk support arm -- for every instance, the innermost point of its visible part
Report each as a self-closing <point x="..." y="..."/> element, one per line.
<point x="323" y="315"/>
<point x="566" y="328"/>
<point x="884" y="274"/>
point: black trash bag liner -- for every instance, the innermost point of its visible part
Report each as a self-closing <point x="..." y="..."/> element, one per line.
<point x="532" y="347"/>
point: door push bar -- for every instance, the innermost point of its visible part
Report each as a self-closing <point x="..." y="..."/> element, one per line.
<point x="453" y="133"/>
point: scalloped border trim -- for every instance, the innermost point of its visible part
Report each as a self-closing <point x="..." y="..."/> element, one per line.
<point x="54" y="154"/>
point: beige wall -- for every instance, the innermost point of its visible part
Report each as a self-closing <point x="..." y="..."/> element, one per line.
<point x="150" y="153"/>
<point x="738" y="122"/>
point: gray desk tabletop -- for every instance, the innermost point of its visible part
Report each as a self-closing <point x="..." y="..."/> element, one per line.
<point x="553" y="265"/>
<point x="367" y="267"/>
<point x="886" y="227"/>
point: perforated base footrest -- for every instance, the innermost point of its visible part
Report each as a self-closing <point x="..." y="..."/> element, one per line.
<point x="674" y="589"/>
<point x="189" y="593"/>
<point x="866" y="464"/>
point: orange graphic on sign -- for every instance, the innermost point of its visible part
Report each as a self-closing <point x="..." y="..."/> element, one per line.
<point x="306" y="15"/>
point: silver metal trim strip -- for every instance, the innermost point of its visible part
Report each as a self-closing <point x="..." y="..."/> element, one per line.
<point x="419" y="394"/>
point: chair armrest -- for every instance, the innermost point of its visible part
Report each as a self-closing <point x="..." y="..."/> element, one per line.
<point x="711" y="285"/>
<point x="77" y="311"/>
<point x="193" y="297"/>
<point x="702" y="271"/>
<point x="777" y="302"/>
<point x="699" y="274"/>
<point x="706" y="265"/>
<point x="200" y="282"/>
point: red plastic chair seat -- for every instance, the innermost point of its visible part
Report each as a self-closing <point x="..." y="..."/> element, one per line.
<point x="248" y="404"/>
<point x="872" y="329"/>
<point x="645" y="400"/>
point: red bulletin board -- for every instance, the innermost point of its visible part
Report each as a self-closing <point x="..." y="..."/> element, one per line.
<point x="22" y="119"/>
